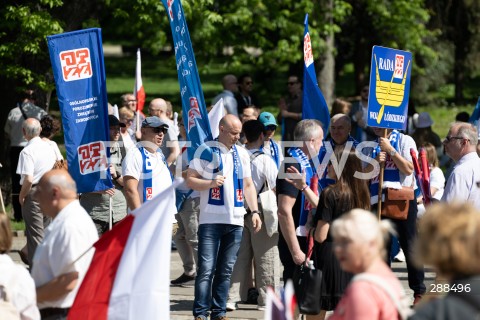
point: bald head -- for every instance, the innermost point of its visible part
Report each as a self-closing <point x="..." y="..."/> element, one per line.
<point x="229" y="82"/>
<point x="158" y="107"/>
<point x="61" y="180"/>
<point x="55" y="191"/>
<point x="31" y="128"/>
<point x="230" y="129"/>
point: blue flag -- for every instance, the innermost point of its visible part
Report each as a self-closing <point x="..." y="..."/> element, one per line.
<point x="314" y="104"/>
<point x="195" y="116"/>
<point x="79" y="72"/>
<point x="475" y="118"/>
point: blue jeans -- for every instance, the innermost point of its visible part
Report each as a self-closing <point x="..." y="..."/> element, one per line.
<point x="218" y="246"/>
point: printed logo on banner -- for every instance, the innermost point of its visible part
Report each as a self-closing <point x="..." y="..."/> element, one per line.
<point x="149" y="193"/>
<point x="92" y="157"/>
<point x="215" y="193"/>
<point x="193" y="113"/>
<point x="307" y="50"/>
<point x="170" y="11"/>
<point x="76" y="64"/>
<point x="239" y="195"/>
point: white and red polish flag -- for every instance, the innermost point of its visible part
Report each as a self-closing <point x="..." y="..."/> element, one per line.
<point x="129" y="276"/>
<point x="139" y="91"/>
<point x="280" y="307"/>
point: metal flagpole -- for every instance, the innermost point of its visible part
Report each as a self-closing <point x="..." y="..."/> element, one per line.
<point x="110" y="218"/>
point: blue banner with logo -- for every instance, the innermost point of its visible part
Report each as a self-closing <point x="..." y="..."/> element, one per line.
<point x="79" y="72"/>
<point x="314" y="104"/>
<point x="195" y="116"/>
<point x="389" y="88"/>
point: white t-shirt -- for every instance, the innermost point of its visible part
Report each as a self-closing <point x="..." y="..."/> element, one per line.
<point x="160" y="175"/>
<point x="437" y="180"/>
<point x="55" y="148"/>
<point x="464" y="181"/>
<point x="36" y="159"/>
<point x="228" y="213"/>
<point x="23" y="294"/>
<point x="67" y="237"/>
<point x="263" y="168"/>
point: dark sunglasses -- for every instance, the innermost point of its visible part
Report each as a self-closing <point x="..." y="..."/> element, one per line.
<point x="157" y="130"/>
<point x="271" y="128"/>
<point x="450" y="138"/>
<point x="292" y="83"/>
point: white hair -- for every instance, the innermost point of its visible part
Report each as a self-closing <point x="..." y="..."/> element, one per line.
<point x="307" y="129"/>
<point x="32" y="127"/>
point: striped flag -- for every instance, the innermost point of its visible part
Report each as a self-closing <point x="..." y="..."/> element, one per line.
<point x="281" y="307"/>
<point x="129" y="276"/>
<point x="139" y="91"/>
<point x="314" y="104"/>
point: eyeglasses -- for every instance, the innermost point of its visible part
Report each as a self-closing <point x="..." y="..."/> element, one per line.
<point x="450" y="138"/>
<point x="158" y="130"/>
<point x="132" y="100"/>
<point x="271" y="128"/>
<point x="248" y="83"/>
<point x="291" y="83"/>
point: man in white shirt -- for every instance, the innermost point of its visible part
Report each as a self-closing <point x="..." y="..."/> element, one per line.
<point x="145" y="172"/>
<point x="230" y="87"/>
<point x="222" y="175"/>
<point x="13" y="133"/>
<point x="35" y="160"/>
<point x="464" y="182"/>
<point x="56" y="271"/>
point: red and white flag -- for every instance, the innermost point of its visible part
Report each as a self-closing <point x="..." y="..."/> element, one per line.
<point x="129" y="276"/>
<point x="283" y="307"/>
<point x="139" y="91"/>
<point x="214" y="117"/>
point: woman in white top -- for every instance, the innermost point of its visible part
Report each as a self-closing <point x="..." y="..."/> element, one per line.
<point x="50" y="127"/>
<point x="16" y="285"/>
<point x="437" y="178"/>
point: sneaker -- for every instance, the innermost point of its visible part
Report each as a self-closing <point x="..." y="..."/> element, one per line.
<point x="400" y="257"/>
<point x="231" y="306"/>
<point x="252" y="296"/>
<point x="182" y="279"/>
<point x="417" y="297"/>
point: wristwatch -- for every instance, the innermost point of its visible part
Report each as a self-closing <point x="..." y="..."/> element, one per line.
<point x="392" y="153"/>
<point x="255" y="211"/>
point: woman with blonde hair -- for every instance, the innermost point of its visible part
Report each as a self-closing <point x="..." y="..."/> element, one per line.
<point x="16" y="284"/>
<point x="449" y="241"/>
<point x="374" y="292"/>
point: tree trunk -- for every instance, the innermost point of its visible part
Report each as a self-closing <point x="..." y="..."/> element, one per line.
<point x="326" y="76"/>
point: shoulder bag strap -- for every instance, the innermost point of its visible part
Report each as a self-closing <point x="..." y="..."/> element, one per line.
<point x="22" y="111"/>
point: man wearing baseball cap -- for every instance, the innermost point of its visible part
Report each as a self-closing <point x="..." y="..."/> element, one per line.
<point x="145" y="172"/>
<point x="271" y="147"/>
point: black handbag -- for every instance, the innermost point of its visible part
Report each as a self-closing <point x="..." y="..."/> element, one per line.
<point x="307" y="284"/>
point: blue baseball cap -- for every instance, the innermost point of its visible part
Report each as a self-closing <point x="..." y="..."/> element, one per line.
<point x="154" y="122"/>
<point x="267" y="119"/>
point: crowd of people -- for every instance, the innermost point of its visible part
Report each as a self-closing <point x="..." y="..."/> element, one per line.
<point x="327" y="185"/>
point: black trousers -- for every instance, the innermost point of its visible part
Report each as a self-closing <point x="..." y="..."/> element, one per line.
<point x="16" y="187"/>
<point x="407" y="234"/>
<point x="286" y="256"/>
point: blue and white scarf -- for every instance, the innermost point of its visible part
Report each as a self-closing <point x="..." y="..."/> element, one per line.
<point x="310" y="172"/>
<point x="147" y="173"/>
<point x="275" y="152"/>
<point x="391" y="172"/>
<point x="324" y="181"/>
<point x="216" y="195"/>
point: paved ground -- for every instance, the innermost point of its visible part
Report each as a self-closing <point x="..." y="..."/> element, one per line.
<point x="181" y="298"/>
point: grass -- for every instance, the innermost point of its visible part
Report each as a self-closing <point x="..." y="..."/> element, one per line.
<point x="444" y="116"/>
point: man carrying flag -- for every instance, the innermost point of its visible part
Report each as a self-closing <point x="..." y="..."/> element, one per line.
<point x="56" y="270"/>
<point x="130" y="101"/>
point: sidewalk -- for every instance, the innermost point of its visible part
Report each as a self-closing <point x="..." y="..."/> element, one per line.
<point x="181" y="298"/>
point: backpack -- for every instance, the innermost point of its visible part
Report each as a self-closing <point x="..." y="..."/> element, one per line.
<point x="7" y="310"/>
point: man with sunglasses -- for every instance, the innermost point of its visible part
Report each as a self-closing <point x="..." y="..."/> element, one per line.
<point x="291" y="108"/>
<point x="145" y="172"/>
<point x="464" y="182"/>
<point x="245" y="97"/>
